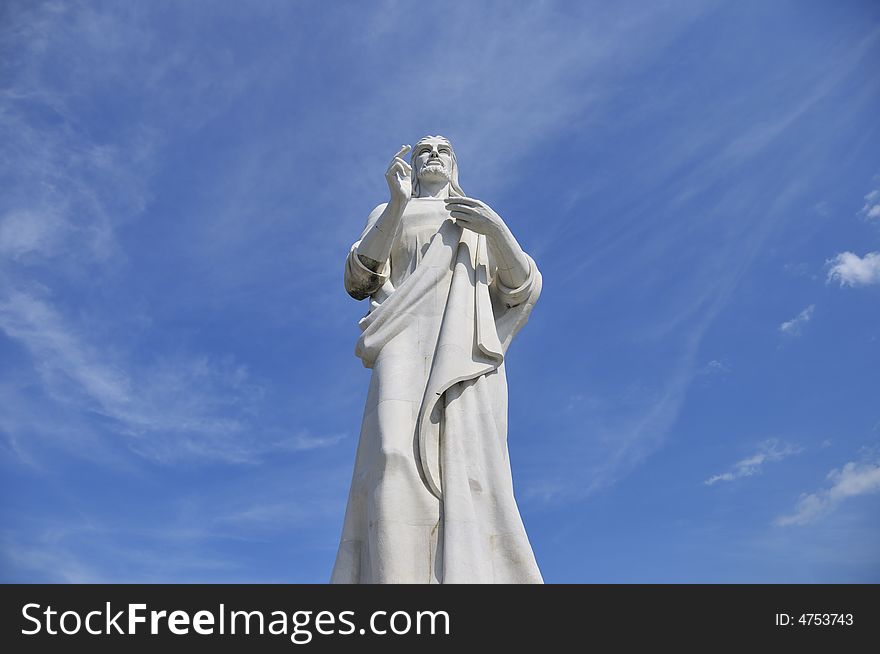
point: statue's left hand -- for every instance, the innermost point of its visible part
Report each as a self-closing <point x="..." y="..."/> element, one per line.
<point x="513" y="264"/>
<point x="476" y="216"/>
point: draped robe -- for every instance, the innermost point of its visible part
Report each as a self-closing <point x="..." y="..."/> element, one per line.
<point x="431" y="497"/>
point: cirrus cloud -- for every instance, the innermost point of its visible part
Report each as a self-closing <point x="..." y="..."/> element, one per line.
<point x="852" y="480"/>
<point x="768" y="451"/>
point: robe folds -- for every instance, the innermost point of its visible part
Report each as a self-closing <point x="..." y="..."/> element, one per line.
<point x="431" y="497"/>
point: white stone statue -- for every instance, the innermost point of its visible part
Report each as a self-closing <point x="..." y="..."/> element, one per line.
<point x="431" y="497"/>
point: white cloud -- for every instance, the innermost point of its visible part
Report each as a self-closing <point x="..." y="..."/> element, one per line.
<point x="793" y="326"/>
<point x="853" y="480"/>
<point x="871" y="210"/>
<point x="768" y="451"/>
<point x="851" y="270"/>
<point x="848" y="268"/>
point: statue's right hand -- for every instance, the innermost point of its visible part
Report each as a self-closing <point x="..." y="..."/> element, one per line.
<point x="399" y="177"/>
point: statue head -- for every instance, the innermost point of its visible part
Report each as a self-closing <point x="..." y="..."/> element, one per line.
<point x="434" y="159"/>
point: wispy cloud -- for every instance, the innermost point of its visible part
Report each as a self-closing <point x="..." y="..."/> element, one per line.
<point x="699" y="160"/>
<point x="793" y="327"/>
<point x="165" y="175"/>
<point x="92" y="96"/>
<point x="48" y="561"/>
<point x="78" y="187"/>
<point x="98" y="554"/>
<point x="852" y="480"/>
<point x="871" y="208"/>
<point x="769" y="451"/>
<point x="633" y="427"/>
<point x="849" y="269"/>
<point x="716" y="367"/>
<point x="573" y="51"/>
<point x="73" y="181"/>
<point x="168" y="409"/>
<point x="186" y="536"/>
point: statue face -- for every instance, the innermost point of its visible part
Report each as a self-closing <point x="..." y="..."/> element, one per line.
<point x="433" y="159"/>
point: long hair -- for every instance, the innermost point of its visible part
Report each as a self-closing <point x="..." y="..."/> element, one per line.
<point x="454" y="188"/>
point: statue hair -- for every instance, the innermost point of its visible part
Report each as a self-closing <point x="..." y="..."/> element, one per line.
<point x="454" y="188"/>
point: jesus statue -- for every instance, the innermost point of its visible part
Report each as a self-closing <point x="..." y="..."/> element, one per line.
<point x="431" y="497"/>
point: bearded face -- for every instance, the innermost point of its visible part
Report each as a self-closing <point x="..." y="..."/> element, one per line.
<point x="433" y="164"/>
<point x="435" y="170"/>
<point x="433" y="159"/>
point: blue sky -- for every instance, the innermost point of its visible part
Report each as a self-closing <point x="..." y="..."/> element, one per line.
<point x="695" y="398"/>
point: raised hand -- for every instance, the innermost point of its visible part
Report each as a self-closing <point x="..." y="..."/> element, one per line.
<point x="399" y="177"/>
<point x="476" y="216"/>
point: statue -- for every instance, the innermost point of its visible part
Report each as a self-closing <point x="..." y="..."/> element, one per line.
<point x="431" y="497"/>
